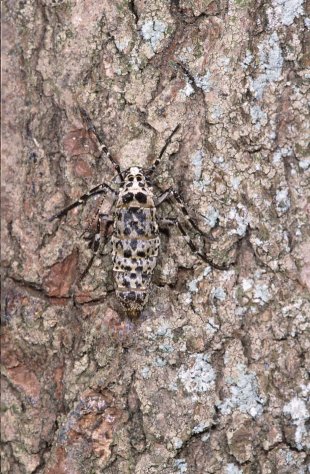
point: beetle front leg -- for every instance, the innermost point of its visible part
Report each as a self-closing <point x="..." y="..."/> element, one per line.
<point x="174" y="197"/>
<point x="102" y="188"/>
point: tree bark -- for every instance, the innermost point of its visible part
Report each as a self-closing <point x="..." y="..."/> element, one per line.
<point x="212" y="378"/>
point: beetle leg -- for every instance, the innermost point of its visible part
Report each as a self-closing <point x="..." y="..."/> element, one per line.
<point x="173" y="196"/>
<point x="102" y="188"/>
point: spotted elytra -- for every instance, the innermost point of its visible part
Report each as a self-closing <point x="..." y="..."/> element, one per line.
<point x="135" y="231"/>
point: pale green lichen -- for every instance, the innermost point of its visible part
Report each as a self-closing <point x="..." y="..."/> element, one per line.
<point x="153" y="31"/>
<point x="258" y="116"/>
<point x="199" y="428"/>
<point x="145" y="372"/>
<point x="197" y="161"/>
<point x="244" y="393"/>
<point x="199" y="376"/>
<point x="284" y="12"/>
<point x="177" y="443"/>
<point x="279" y="154"/>
<point x="211" y="216"/>
<point x="181" y="465"/>
<point x="261" y="294"/>
<point x="232" y="469"/>
<point x="122" y="44"/>
<point x="193" y="284"/>
<point x="204" y="82"/>
<point x="299" y="414"/>
<point x="187" y="91"/>
<point x="304" y="164"/>
<point x="270" y="65"/>
<point x="242" y="3"/>
<point x="159" y="362"/>
<point x="219" y="293"/>
<point x="247" y="60"/>
<point x="283" y="201"/>
<point x="240" y="216"/>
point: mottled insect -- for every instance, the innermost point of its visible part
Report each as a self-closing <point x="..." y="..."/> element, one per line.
<point x="135" y="237"/>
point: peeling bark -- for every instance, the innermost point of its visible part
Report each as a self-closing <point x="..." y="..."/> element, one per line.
<point x="212" y="378"/>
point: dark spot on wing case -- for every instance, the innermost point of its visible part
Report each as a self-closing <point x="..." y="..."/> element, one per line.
<point x="127" y="198"/>
<point x="141" y="197"/>
<point x="133" y="244"/>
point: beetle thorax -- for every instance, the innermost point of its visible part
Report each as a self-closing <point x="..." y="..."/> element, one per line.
<point x="135" y="191"/>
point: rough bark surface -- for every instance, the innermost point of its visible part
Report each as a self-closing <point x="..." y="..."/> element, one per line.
<point x="212" y="378"/>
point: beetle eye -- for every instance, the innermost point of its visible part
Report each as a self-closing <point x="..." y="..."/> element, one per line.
<point x="130" y="178"/>
<point x="139" y="178"/>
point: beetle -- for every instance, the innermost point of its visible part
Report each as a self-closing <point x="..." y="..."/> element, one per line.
<point x="135" y="236"/>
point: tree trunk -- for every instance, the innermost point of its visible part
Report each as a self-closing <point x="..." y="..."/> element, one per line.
<point x="212" y="377"/>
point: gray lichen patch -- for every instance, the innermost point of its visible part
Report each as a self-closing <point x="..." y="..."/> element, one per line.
<point x="254" y="293"/>
<point x="212" y="216"/>
<point x="204" y="82"/>
<point x="232" y="469"/>
<point x="155" y="26"/>
<point x="259" y="117"/>
<point x="270" y="65"/>
<point x="181" y="466"/>
<point x="299" y="414"/>
<point x="244" y="394"/>
<point x="188" y="90"/>
<point x="197" y="161"/>
<point x="283" y="201"/>
<point x="153" y="31"/>
<point x="241" y="220"/>
<point x="241" y="384"/>
<point x="199" y="376"/>
<point x="284" y="12"/>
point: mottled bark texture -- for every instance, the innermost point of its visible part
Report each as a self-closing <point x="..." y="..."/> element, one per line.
<point x="212" y="378"/>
